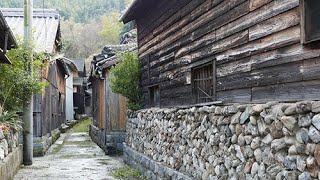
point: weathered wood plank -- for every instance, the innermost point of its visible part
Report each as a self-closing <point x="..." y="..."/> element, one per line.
<point x="255" y="4"/>
<point x="267" y="76"/>
<point x="243" y="65"/>
<point x="197" y="23"/>
<point x="272" y="9"/>
<point x="275" y="24"/>
<point x="283" y="55"/>
<point x="277" y="40"/>
<point x="311" y="69"/>
<point x="189" y="13"/>
<point x="308" y="90"/>
<point x="236" y="96"/>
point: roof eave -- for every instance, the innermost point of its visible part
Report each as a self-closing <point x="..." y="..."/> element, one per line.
<point x="125" y="18"/>
<point x="4" y="58"/>
<point x="12" y="38"/>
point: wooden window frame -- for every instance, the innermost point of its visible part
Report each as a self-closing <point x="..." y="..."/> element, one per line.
<point x="194" y="90"/>
<point x="305" y="39"/>
<point x="152" y="102"/>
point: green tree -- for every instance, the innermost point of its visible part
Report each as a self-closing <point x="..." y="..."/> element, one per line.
<point x="111" y="28"/>
<point x="125" y="79"/>
<point x="15" y="84"/>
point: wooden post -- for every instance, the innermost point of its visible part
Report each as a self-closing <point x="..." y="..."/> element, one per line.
<point x="28" y="105"/>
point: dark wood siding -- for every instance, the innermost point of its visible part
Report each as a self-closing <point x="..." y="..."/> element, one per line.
<point x="256" y="45"/>
<point x="49" y="108"/>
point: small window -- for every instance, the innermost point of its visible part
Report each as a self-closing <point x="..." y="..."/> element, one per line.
<point x="154" y="96"/>
<point x="203" y="83"/>
<point x="310" y="20"/>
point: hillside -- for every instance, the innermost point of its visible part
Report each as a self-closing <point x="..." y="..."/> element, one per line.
<point x="87" y="25"/>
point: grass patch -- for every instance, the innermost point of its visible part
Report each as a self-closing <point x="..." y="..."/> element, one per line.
<point x="82" y="126"/>
<point x="127" y="172"/>
<point x="57" y="149"/>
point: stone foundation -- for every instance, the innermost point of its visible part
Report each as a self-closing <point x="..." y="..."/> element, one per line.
<point x="110" y="142"/>
<point x="8" y="141"/>
<point x="150" y="168"/>
<point x="11" y="163"/>
<point x="259" y="141"/>
<point x="10" y="154"/>
<point x="42" y="144"/>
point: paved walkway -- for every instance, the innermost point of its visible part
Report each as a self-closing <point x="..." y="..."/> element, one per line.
<point x="73" y="156"/>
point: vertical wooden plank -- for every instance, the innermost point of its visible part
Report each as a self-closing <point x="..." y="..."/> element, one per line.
<point x="123" y="113"/>
<point x="214" y="79"/>
<point x="101" y="104"/>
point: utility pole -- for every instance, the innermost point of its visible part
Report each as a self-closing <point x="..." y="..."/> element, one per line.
<point x="28" y="105"/>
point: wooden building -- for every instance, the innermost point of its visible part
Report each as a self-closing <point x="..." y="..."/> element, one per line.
<point x="109" y="109"/>
<point x="79" y="85"/>
<point x="73" y="71"/>
<point x="227" y="50"/>
<point x="7" y="39"/>
<point x="49" y="107"/>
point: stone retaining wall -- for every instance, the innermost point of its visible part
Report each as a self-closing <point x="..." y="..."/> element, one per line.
<point x="266" y="141"/>
<point x="10" y="165"/>
<point x="10" y="154"/>
<point x="150" y="168"/>
<point x="8" y="141"/>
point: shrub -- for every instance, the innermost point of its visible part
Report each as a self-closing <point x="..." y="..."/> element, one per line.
<point x="10" y="120"/>
<point x="125" y="79"/>
<point x="15" y="83"/>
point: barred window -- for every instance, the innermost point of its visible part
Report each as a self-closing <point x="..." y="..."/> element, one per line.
<point x="203" y="83"/>
<point x="310" y="20"/>
<point x="154" y="96"/>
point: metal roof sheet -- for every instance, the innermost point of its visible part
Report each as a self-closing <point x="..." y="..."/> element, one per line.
<point x="46" y="25"/>
<point x="80" y="63"/>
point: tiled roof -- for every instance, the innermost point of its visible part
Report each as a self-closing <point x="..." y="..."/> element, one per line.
<point x="46" y="25"/>
<point x="11" y="41"/>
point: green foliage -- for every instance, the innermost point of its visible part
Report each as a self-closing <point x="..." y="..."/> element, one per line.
<point x="86" y="25"/>
<point x="111" y="28"/>
<point x="10" y="119"/>
<point x="83" y="126"/>
<point x="15" y="83"/>
<point x="125" y="79"/>
<point x="82" y="11"/>
<point x="127" y="172"/>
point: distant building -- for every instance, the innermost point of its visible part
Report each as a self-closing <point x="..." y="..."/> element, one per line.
<point x="108" y="129"/>
<point x="73" y="71"/>
<point x="79" y="85"/>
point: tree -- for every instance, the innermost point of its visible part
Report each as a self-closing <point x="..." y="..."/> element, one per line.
<point x="111" y="28"/>
<point x="125" y="78"/>
<point x="15" y="84"/>
<point x="81" y="40"/>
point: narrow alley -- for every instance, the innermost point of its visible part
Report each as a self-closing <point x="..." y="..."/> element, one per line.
<point x="73" y="156"/>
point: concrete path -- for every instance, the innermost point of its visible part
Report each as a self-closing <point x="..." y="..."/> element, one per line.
<point x="73" y="156"/>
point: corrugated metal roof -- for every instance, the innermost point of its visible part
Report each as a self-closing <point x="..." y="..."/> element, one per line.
<point x="46" y="25"/>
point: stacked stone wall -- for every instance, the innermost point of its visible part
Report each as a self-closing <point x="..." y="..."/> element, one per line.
<point x="8" y="141"/>
<point x="259" y="141"/>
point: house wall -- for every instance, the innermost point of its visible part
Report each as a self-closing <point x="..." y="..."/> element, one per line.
<point x="69" y="98"/>
<point x="255" y="45"/>
<point x="110" y="116"/>
<point x="53" y="109"/>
